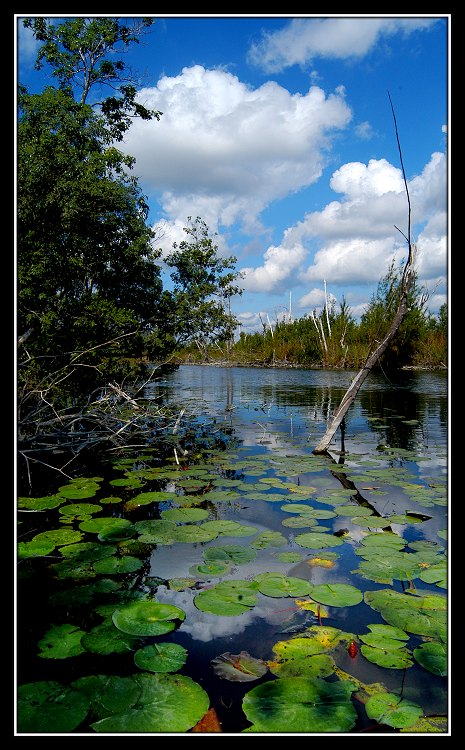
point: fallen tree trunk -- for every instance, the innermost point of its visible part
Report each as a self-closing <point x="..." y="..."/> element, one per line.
<point x="407" y="279"/>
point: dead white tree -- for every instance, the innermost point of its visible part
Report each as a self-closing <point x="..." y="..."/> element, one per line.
<point x="402" y="308"/>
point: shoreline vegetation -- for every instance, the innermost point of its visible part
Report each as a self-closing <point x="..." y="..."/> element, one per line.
<point x="285" y="365"/>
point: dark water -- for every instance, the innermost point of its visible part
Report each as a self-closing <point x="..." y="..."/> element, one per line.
<point x="273" y="419"/>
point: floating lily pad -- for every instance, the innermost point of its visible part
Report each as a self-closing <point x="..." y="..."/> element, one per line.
<point x="167" y="703"/>
<point x="184" y="515"/>
<point x="228" y="598"/>
<point x="118" y="565"/>
<point x="414" y="613"/>
<point x="79" y="490"/>
<point x="118" y="530"/>
<point x="108" y="694"/>
<point x="181" y="584"/>
<point x="208" y="569"/>
<point x="193" y="533"/>
<point x="61" y="642"/>
<point x="147" y="498"/>
<point x="427" y="724"/>
<point x="329" y="637"/>
<point x="107" y="639"/>
<point x="33" y="548"/>
<point x="229" y="528"/>
<point x="49" y="707"/>
<point x="156" y="531"/>
<point x="111" y="500"/>
<point x="433" y="657"/>
<point x="40" y="503"/>
<point x="161" y="657"/>
<point x="383" y="539"/>
<point x="58" y="537"/>
<point x="80" y="509"/>
<point x="268" y="539"/>
<point x="132" y="482"/>
<point x="390" y="709"/>
<point x="389" y="658"/>
<point x="372" y="522"/>
<point x="289" y="557"/>
<point x="277" y="584"/>
<point x="299" y="704"/>
<point x="299" y="522"/>
<point x="337" y="594"/>
<point x="312" y="540"/>
<point x="238" y="667"/>
<point x="234" y="553"/>
<point x="147" y="618"/>
<point x="353" y="510"/>
<point x="435" y="574"/>
<point x="84" y="552"/>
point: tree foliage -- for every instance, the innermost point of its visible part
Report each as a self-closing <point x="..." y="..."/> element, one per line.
<point x="91" y="304"/>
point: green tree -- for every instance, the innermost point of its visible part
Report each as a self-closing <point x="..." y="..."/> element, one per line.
<point x="203" y="284"/>
<point x="374" y="323"/>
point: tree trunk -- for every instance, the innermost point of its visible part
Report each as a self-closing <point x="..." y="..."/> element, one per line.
<point x="357" y="382"/>
<point x="407" y="278"/>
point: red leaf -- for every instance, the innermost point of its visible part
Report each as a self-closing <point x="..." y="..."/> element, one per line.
<point x="208" y="723"/>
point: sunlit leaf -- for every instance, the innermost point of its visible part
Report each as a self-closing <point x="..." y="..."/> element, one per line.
<point x="433" y="657"/>
<point x="337" y="594"/>
<point x="277" y="584"/>
<point x="228" y="598"/>
<point x="312" y="540"/>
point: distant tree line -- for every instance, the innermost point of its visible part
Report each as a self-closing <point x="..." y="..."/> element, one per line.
<point x="332" y="338"/>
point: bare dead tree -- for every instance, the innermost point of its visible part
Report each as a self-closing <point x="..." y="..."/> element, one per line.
<point x="402" y="308"/>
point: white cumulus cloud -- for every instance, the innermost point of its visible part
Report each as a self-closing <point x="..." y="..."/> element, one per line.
<point x="224" y="150"/>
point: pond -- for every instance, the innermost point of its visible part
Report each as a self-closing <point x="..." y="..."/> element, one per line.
<point x="238" y="579"/>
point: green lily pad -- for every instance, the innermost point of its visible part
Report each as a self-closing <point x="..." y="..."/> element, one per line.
<point x="167" y="703"/>
<point x="184" y="515"/>
<point x="312" y="540"/>
<point x="299" y="508"/>
<point x="61" y="642"/>
<point x="107" y="639"/>
<point x="289" y="557"/>
<point x="108" y="694"/>
<point x="193" y="533"/>
<point x="435" y="574"/>
<point x="228" y="598"/>
<point x="299" y="704"/>
<point x="161" y="657"/>
<point x="40" y="503"/>
<point x="390" y="658"/>
<point x="299" y="522"/>
<point x="228" y="528"/>
<point x="59" y="537"/>
<point x="268" y="539"/>
<point x="156" y="531"/>
<point x="277" y="584"/>
<point x="181" y="584"/>
<point x="238" y="667"/>
<point x="147" y="618"/>
<point x="329" y="637"/>
<point x="147" y="498"/>
<point x="132" y="482"/>
<point x="384" y="539"/>
<point x="234" y="553"/>
<point x="117" y="531"/>
<point x="208" y="569"/>
<point x="337" y="594"/>
<point x="118" y="565"/>
<point x="414" y="613"/>
<point x="80" y="509"/>
<point x="353" y="510"/>
<point x="86" y="552"/>
<point x="79" y="491"/>
<point x="390" y="709"/>
<point x="49" y="707"/>
<point x="433" y="657"/>
<point x="111" y="500"/>
<point x="372" y="522"/>
<point x="33" y="548"/>
<point x="298" y="648"/>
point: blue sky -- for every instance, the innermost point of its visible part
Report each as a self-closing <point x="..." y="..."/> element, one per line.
<point x="277" y="131"/>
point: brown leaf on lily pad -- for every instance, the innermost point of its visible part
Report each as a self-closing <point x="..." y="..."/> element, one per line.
<point x="238" y="667"/>
<point x="208" y="723"/>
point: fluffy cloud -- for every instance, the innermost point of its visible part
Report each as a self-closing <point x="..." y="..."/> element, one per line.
<point x="305" y="39"/>
<point x="354" y="240"/>
<point x="225" y="150"/>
